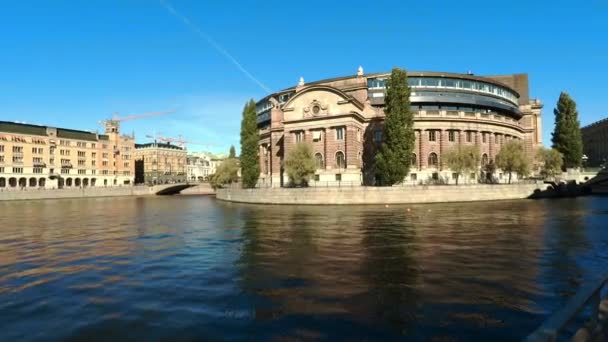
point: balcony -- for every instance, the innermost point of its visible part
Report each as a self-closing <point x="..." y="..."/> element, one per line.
<point x="66" y="165"/>
<point x="39" y="164"/>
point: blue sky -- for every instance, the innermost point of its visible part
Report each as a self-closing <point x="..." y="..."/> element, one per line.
<point x="73" y="63"/>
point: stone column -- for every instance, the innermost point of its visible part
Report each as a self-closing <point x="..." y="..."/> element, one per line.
<point x="491" y="145"/>
<point x="417" y="145"/>
<point x="443" y="146"/>
<point x="424" y="148"/>
<point x="277" y="151"/>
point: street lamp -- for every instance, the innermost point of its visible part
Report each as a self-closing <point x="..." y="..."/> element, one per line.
<point x="584" y="159"/>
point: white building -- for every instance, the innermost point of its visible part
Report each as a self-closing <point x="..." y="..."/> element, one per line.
<point x="201" y="165"/>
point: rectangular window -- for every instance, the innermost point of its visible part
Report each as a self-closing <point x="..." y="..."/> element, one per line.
<point x="340" y="133"/>
<point x="1" y="159"/>
<point x="451" y="136"/>
<point x="17" y="149"/>
<point x="93" y="155"/>
<point x="377" y="136"/>
<point x="65" y="171"/>
<point x="37" y="160"/>
<point x="299" y="136"/>
<point x="92" y="172"/>
<point x="17" y="170"/>
<point x="432" y="136"/>
<point x="93" y="145"/>
<point x="316" y="135"/>
<point x="81" y="154"/>
<point x="104" y="155"/>
<point x="82" y="172"/>
<point x="496" y="139"/>
<point x="1" y="148"/>
<point x="316" y="178"/>
<point x="37" y="170"/>
<point x="483" y="137"/>
<point x="469" y="136"/>
<point x="104" y="163"/>
<point x="82" y="163"/>
<point x="93" y="162"/>
<point x="358" y="134"/>
<point x="65" y="162"/>
<point x="1" y="169"/>
<point x="126" y="164"/>
<point x="18" y="159"/>
<point x="338" y="177"/>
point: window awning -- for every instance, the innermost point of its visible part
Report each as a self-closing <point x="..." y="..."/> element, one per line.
<point x="316" y="135"/>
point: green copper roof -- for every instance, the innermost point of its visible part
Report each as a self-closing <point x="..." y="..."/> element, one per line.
<point x="12" y="127"/>
<point x="78" y="135"/>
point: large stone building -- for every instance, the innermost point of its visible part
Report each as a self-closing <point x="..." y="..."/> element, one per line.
<point x="595" y="143"/>
<point x="343" y="120"/>
<point x="159" y="163"/>
<point x="201" y="165"/>
<point x="33" y="156"/>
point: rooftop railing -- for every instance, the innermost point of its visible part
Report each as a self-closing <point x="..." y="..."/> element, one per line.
<point x="594" y="330"/>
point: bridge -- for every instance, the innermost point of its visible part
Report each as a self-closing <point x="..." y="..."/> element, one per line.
<point x="176" y="188"/>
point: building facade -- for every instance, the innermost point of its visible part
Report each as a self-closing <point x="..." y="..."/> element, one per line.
<point x="595" y="143"/>
<point x="342" y="118"/>
<point x="160" y="163"/>
<point x="33" y="156"/>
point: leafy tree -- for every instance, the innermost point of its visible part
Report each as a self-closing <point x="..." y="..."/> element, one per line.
<point x="250" y="163"/>
<point x="489" y="170"/>
<point x="566" y="136"/>
<point x="226" y="173"/>
<point x="393" y="160"/>
<point x="551" y="162"/>
<point x="232" y="153"/>
<point x="512" y="158"/>
<point x="461" y="159"/>
<point x="300" y="164"/>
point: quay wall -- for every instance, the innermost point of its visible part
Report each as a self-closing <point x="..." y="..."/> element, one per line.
<point x="35" y="194"/>
<point x="379" y="195"/>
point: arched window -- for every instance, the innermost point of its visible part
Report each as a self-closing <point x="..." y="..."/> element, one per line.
<point x="340" y="160"/>
<point x="2" y="182"/>
<point x="41" y="182"/>
<point x="433" y="159"/>
<point x="12" y="182"/>
<point x="319" y="160"/>
<point x="33" y="182"/>
<point x="68" y="182"/>
<point x="22" y="182"/>
<point x="414" y="161"/>
<point x="484" y="159"/>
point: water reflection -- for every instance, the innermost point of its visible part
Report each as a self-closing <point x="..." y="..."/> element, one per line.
<point x="193" y="268"/>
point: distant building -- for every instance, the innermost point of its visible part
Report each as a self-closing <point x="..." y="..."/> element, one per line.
<point x="201" y="165"/>
<point x="343" y="118"/>
<point x="595" y="143"/>
<point x="160" y="163"/>
<point x="33" y="156"/>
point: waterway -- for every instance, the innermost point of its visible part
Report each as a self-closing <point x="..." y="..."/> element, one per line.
<point x="192" y="268"/>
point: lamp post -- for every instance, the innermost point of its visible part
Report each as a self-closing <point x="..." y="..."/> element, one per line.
<point x="584" y="159"/>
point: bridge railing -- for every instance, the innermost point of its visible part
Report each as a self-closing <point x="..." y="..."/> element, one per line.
<point x="588" y="296"/>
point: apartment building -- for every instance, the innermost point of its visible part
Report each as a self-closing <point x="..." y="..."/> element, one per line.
<point x="33" y="156"/>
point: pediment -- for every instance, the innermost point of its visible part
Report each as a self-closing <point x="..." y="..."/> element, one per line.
<point x="319" y="101"/>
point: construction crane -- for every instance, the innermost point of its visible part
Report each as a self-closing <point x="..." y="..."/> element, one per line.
<point x="113" y="125"/>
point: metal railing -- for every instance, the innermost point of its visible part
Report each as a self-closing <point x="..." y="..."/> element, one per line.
<point x="592" y="330"/>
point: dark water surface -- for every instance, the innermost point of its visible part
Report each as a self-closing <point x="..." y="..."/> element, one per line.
<point x="191" y="268"/>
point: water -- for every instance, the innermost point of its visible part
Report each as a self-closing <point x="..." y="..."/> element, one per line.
<point x="191" y="268"/>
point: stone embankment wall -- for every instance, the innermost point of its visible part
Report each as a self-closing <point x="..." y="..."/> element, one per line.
<point x="379" y="195"/>
<point x="33" y="194"/>
<point x="200" y="189"/>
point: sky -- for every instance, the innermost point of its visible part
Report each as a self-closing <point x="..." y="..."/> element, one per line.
<point x="73" y="63"/>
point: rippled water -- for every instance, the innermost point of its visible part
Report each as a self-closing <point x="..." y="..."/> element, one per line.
<point x="191" y="268"/>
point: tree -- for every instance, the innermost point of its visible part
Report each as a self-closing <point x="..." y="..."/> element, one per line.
<point x="566" y="136"/>
<point x="393" y="160"/>
<point x="512" y="158"/>
<point x="226" y="173"/>
<point x="250" y="162"/>
<point x="300" y="164"/>
<point x="232" y="153"/>
<point x="461" y="159"/>
<point x="551" y="161"/>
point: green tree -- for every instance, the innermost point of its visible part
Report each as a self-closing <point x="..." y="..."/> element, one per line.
<point x="551" y="162"/>
<point x="462" y="159"/>
<point x="566" y="136"/>
<point x="393" y="160"/>
<point x="512" y="158"/>
<point x="250" y="162"/>
<point x="232" y="153"/>
<point x="300" y="164"/>
<point x="226" y="173"/>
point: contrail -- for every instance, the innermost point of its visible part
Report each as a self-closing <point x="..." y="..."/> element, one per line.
<point x="214" y="44"/>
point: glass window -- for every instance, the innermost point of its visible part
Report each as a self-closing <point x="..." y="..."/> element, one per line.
<point x="466" y="84"/>
<point x="378" y="136"/>
<point x="483" y="137"/>
<point x="413" y="81"/>
<point x="340" y="160"/>
<point x="432" y="136"/>
<point x="340" y="133"/>
<point x="414" y="161"/>
<point x="451" y="135"/>
<point x="319" y="160"/>
<point x="447" y="82"/>
<point x="433" y="159"/>
<point x="469" y="136"/>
